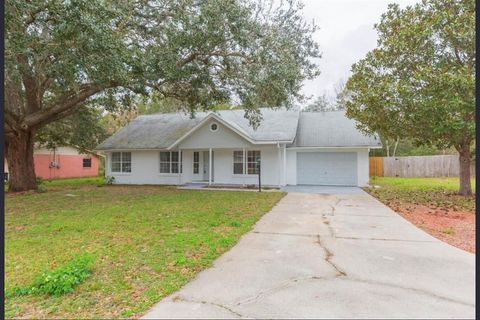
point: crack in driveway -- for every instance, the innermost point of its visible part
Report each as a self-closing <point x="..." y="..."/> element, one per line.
<point x="328" y="257"/>
<point x="180" y="298"/>
<point x="295" y="281"/>
<point x="420" y="291"/>
<point x="384" y="239"/>
<point x="269" y="291"/>
<point x="249" y="288"/>
<point x="329" y="227"/>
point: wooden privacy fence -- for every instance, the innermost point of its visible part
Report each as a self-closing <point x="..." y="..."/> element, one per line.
<point x="376" y="166"/>
<point x="417" y="166"/>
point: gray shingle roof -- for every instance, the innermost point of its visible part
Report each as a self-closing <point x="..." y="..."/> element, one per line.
<point x="331" y="129"/>
<point x="277" y="125"/>
<point x="305" y="129"/>
<point x="159" y="131"/>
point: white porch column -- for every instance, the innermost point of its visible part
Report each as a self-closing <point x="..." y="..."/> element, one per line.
<point x="284" y="165"/>
<point x="244" y="154"/>
<point x="280" y="173"/>
<point x="180" y="166"/>
<point x="210" y="166"/>
<point x="107" y="164"/>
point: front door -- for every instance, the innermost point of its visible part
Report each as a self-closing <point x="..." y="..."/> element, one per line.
<point x="206" y="165"/>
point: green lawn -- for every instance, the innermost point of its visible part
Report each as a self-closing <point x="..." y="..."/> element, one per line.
<point x="439" y="192"/>
<point x="88" y="181"/>
<point x="146" y="241"/>
<point x="67" y="183"/>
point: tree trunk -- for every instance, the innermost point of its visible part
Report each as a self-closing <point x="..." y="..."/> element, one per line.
<point x="395" y="148"/>
<point x="465" y="183"/>
<point x="19" y="154"/>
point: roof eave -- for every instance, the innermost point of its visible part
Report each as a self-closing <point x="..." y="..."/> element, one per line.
<point x="335" y="147"/>
<point x="201" y="123"/>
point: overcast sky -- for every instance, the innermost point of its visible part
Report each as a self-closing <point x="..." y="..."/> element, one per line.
<point x="345" y="35"/>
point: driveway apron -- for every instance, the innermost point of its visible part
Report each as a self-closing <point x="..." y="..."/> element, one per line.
<point x="330" y="253"/>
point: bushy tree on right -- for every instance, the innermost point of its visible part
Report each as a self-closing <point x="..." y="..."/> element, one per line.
<point x="419" y="83"/>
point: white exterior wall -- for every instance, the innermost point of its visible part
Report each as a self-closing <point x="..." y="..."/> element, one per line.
<point x="145" y="167"/>
<point x="363" y="167"/>
<point x="223" y="142"/>
<point x="187" y="167"/>
<point x="269" y="167"/>
<point x="145" y="170"/>
<point x="291" y="170"/>
<point x="362" y="163"/>
<point x="203" y="138"/>
<point x="278" y="164"/>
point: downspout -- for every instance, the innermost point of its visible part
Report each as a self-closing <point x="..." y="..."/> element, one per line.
<point x="50" y="167"/>
<point x="244" y="155"/>
<point x="284" y="182"/>
<point x="55" y="163"/>
<point x="279" y="165"/>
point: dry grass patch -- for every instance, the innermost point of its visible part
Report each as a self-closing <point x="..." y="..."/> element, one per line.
<point x="431" y="204"/>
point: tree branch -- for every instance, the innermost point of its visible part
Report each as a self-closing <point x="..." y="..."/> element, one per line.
<point x="33" y="15"/>
<point x="217" y="53"/>
<point x="455" y="50"/>
<point x="188" y="59"/>
<point x="30" y="83"/>
<point x="45" y="85"/>
<point x="45" y="116"/>
<point x="9" y="122"/>
<point x="64" y="114"/>
<point x="13" y="96"/>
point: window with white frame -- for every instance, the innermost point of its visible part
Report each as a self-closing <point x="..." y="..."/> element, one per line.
<point x="121" y="162"/>
<point x="252" y="162"/>
<point x="238" y="162"/>
<point x="196" y="162"/>
<point x="253" y="158"/>
<point x="170" y="162"/>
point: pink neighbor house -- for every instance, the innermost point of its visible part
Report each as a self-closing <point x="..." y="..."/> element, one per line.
<point x="63" y="162"/>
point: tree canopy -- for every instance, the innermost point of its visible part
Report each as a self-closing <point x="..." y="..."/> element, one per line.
<point x="63" y="55"/>
<point x="419" y="83"/>
<point x="326" y="102"/>
<point x="320" y="104"/>
<point x="199" y="52"/>
<point x="84" y="129"/>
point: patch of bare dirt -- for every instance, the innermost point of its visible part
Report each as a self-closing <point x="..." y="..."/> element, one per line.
<point x="455" y="227"/>
<point x="16" y="228"/>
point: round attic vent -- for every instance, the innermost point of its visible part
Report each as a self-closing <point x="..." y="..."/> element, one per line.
<point x="214" y="127"/>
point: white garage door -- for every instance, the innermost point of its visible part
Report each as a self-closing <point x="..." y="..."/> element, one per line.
<point x="327" y="168"/>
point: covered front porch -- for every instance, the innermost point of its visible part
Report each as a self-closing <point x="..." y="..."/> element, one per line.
<point x="200" y="166"/>
<point x="232" y="166"/>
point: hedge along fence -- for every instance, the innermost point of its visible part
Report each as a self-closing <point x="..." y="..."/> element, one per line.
<point x="417" y="166"/>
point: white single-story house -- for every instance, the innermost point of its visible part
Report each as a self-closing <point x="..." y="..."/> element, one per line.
<point x="288" y="148"/>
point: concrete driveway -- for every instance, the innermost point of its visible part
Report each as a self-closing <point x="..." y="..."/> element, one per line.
<point x="326" y="252"/>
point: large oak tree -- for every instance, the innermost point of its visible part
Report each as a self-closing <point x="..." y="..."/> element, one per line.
<point x="64" y="55"/>
<point x="419" y="83"/>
